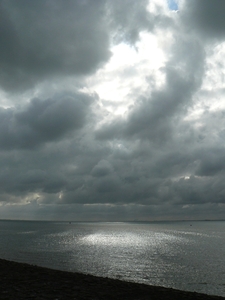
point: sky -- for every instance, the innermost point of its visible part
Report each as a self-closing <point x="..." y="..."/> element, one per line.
<point x="112" y="110"/>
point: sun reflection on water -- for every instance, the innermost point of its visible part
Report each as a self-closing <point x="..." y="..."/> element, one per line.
<point x="126" y="239"/>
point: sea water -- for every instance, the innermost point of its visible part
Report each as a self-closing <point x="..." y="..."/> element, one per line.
<point x="181" y="255"/>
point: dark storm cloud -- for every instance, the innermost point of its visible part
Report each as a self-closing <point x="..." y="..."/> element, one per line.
<point x="130" y="17"/>
<point x="57" y="154"/>
<point x="42" y="121"/>
<point x="212" y="162"/>
<point x="111" y="212"/>
<point x="101" y="169"/>
<point x="196" y="190"/>
<point x="207" y="17"/>
<point x="50" y="38"/>
<point x="44" y="39"/>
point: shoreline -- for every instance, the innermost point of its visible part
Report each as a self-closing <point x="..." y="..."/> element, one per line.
<point x="24" y="281"/>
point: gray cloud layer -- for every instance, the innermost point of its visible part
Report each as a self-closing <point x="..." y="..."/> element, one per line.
<point x="60" y="38"/>
<point x="208" y="19"/>
<point x="50" y="38"/>
<point x="156" y="161"/>
<point x="42" y="121"/>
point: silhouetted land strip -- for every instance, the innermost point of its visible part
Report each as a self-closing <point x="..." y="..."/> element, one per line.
<point x="23" y="281"/>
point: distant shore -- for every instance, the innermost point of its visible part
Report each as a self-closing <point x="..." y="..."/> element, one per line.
<point x="23" y="281"/>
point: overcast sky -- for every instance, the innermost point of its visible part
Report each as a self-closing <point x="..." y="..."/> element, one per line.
<point x="112" y="109"/>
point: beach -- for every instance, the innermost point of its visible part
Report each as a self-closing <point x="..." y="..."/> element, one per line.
<point x="23" y="281"/>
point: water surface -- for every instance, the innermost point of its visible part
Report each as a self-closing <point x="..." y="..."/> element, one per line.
<point x="182" y="255"/>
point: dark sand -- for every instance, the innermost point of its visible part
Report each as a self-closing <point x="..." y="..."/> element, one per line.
<point x="22" y="281"/>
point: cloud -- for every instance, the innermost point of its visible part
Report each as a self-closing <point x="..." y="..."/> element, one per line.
<point x="149" y="146"/>
<point x="42" y="121"/>
<point x="54" y="39"/>
<point x="103" y="168"/>
<point x="130" y="18"/>
<point x="50" y="39"/>
<point x="207" y="19"/>
<point x="211" y="162"/>
<point x="153" y="117"/>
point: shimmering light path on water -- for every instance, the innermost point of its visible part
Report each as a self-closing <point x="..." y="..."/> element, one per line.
<point x="183" y="255"/>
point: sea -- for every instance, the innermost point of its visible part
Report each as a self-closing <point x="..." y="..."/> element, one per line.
<point x="182" y="255"/>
